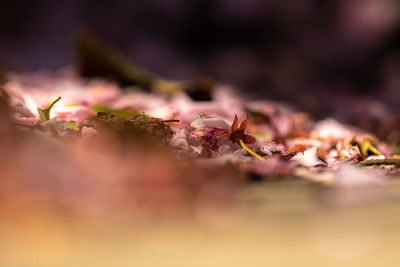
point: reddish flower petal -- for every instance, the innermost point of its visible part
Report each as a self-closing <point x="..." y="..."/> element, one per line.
<point x="244" y="124"/>
<point x="235" y="124"/>
<point x="248" y="139"/>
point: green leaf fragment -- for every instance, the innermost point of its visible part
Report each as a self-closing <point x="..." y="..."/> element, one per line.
<point x="366" y="146"/>
<point x="72" y="125"/>
<point x="45" y="113"/>
<point x="122" y="113"/>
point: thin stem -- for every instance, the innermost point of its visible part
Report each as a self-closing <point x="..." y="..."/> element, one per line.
<point x="250" y="151"/>
<point x="55" y="101"/>
<point x="170" y="121"/>
<point x="45" y="113"/>
<point x="390" y="161"/>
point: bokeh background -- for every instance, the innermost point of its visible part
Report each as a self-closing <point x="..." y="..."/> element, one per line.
<point x="336" y="58"/>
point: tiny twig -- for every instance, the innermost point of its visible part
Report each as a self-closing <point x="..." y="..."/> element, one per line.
<point x="390" y="161"/>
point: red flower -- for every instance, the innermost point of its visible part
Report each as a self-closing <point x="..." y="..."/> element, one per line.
<point x="237" y="132"/>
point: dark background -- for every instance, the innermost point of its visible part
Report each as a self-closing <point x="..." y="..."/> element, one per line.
<point x="307" y="52"/>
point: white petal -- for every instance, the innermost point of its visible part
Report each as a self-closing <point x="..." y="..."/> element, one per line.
<point x="211" y="123"/>
<point x="309" y="158"/>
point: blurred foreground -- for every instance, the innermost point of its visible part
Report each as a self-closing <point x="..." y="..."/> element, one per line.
<point x="273" y="224"/>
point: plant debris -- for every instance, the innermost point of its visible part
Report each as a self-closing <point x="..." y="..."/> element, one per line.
<point x="285" y="142"/>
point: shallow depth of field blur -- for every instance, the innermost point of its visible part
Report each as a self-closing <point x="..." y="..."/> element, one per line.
<point x="333" y="58"/>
